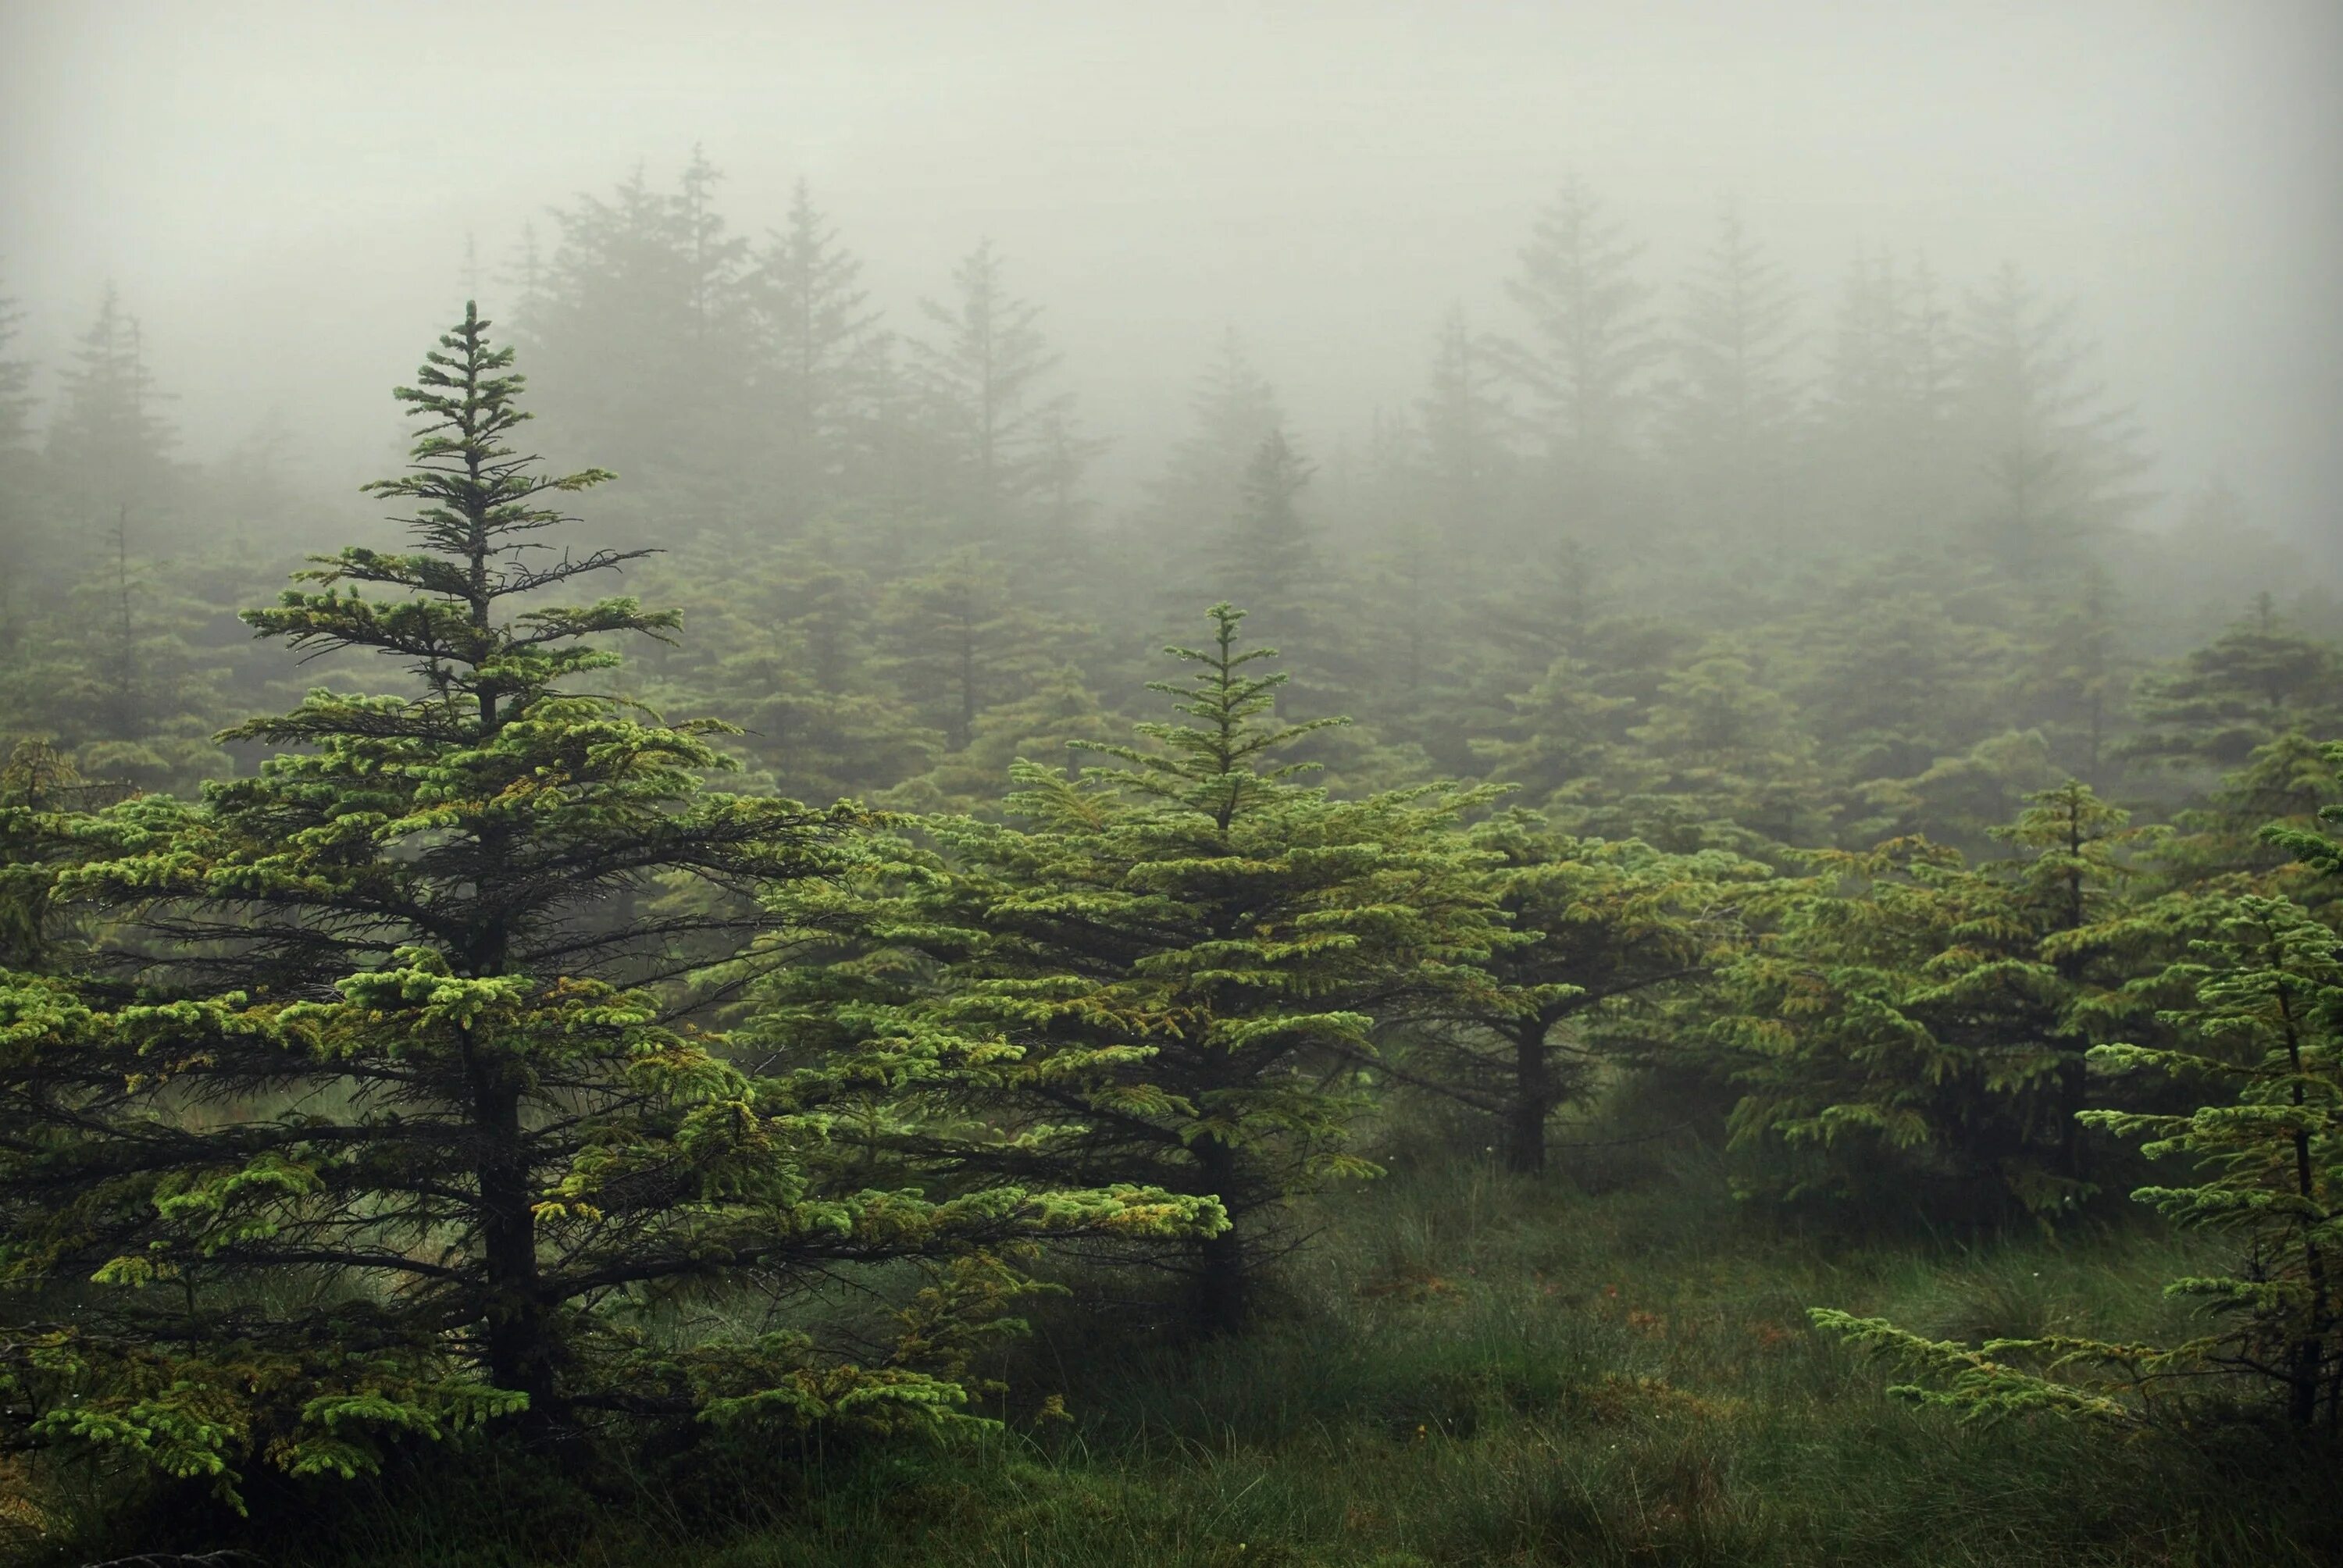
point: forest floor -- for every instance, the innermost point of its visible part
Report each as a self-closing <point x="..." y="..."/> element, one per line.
<point x="1608" y="1365"/>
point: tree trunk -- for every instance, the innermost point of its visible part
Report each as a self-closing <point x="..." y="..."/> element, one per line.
<point x="1223" y="1283"/>
<point x="1532" y="1101"/>
<point x="520" y="1329"/>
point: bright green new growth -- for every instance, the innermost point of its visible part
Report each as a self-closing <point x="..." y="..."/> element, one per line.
<point x="2263" y="1036"/>
<point x="1918" y="1021"/>
<point x="1171" y="968"/>
<point x="407" y="1125"/>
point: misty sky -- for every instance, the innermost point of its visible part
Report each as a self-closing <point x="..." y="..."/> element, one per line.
<point x="282" y="190"/>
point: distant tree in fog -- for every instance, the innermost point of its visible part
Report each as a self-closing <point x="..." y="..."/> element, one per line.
<point x="1592" y="345"/>
<point x="985" y="380"/>
<point x="817" y="340"/>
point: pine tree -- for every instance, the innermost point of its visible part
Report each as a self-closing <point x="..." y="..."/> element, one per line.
<point x="1596" y="931"/>
<point x="1731" y="408"/>
<point x="1264" y="552"/>
<point x="645" y="345"/>
<point x="1175" y="963"/>
<point x="2254" y="683"/>
<point x="123" y="686"/>
<point x="1233" y="410"/>
<point x="2260" y="1031"/>
<point x="1918" y="1020"/>
<point x="818" y="375"/>
<point x="1721" y="757"/>
<point x="476" y="1133"/>
<point x="1592" y="346"/>
<point x="1464" y="417"/>
<point x="984" y="380"/>
<point x="1886" y="407"/>
<point x="24" y="529"/>
<point x="2060" y="464"/>
<point x="2220" y="843"/>
<point x="109" y="444"/>
<point x="956" y="641"/>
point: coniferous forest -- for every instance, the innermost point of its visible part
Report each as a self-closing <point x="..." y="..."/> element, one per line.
<point x="1717" y="941"/>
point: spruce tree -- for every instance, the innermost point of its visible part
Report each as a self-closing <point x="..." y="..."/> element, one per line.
<point x="1464" y="417"/>
<point x="1598" y="931"/>
<point x="2255" y="682"/>
<point x="109" y="444"/>
<point x="2258" y="1033"/>
<point x="985" y="379"/>
<point x="380" y="1054"/>
<point x="818" y="375"/>
<point x="2061" y="467"/>
<point x="1174" y="965"/>
<point x="1265" y="552"/>
<point x="1233" y="410"/>
<point x="1592" y="345"/>
<point x="1732" y="406"/>
<point x="955" y="640"/>
<point x="1920" y="1022"/>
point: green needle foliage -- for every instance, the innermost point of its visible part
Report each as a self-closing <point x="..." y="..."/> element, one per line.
<point x="2262" y="1159"/>
<point x="385" y="1124"/>
<point x="1920" y="1027"/>
<point x="1598" y="931"/>
<point x="1174" y="965"/>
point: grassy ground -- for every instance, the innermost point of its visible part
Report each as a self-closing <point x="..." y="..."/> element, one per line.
<point x="1471" y="1369"/>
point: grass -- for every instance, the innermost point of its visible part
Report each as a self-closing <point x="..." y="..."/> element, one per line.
<point x="1466" y="1368"/>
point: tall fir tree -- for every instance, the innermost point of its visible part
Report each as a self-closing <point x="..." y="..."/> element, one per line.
<point x="2259" y="1035"/>
<point x="109" y="444"/>
<point x="1592" y="345"/>
<point x="1731" y="406"/>
<point x="816" y="378"/>
<point x="1175" y="963"/>
<point x="2257" y="681"/>
<point x="2061" y="467"/>
<point x="986" y="377"/>
<point x="1597" y="932"/>
<point x="471" y="1152"/>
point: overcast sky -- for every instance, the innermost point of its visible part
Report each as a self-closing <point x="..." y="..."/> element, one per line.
<point x="283" y="191"/>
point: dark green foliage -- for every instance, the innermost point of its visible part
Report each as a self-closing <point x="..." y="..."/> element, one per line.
<point x="2253" y="684"/>
<point x="1172" y="966"/>
<point x="1597" y="934"/>
<point x="2261" y="1033"/>
<point x="1916" y="1019"/>
<point x="401" y="1130"/>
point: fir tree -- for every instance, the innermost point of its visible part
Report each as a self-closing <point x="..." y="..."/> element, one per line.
<point x="2261" y="1032"/>
<point x="1264" y="552"/>
<point x="1732" y="406"/>
<point x="1175" y="963"/>
<point x="956" y="641"/>
<point x="1233" y="410"/>
<point x="819" y="341"/>
<point x="2060" y="464"/>
<point x="1464" y="417"/>
<point x="469" y="1149"/>
<point x="2255" y="682"/>
<point x="109" y="443"/>
<point x="644" y="344"/>
<point x="1919" y="1018"/>
<point x="1592" y="346"/>
<point x="1596" y="931"/>
<point x="985" y="378"/>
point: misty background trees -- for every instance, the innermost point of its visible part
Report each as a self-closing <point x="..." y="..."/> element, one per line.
<point x="1783" y="716"/>
<point x="1878" y="551"/>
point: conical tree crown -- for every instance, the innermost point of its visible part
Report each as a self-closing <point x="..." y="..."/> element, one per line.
<point x="479" y="504"/>
<point x="1209" y="765"/>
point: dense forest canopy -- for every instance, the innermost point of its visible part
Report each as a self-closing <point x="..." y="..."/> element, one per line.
<point x="790" y="937"/>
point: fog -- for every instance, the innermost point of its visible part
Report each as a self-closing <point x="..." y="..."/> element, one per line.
<point x="284" y="192"/>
